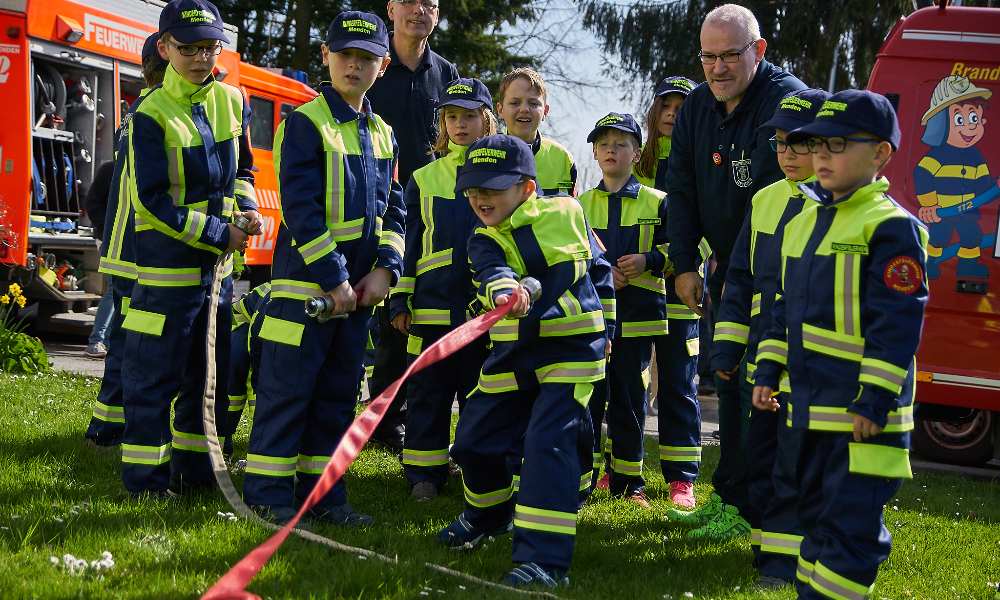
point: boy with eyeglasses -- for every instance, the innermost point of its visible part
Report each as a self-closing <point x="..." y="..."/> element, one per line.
<point x="744" y="317"/>
<point x="853" y="288"/>
<point x="190" y="170"/>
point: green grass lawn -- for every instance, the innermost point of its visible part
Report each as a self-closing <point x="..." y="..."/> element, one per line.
<point x="57" y="497"/>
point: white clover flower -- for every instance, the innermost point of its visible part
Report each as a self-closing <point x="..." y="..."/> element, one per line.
<point x="54" y="560"/>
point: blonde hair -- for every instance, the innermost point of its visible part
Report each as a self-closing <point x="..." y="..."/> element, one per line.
<point x="651" y="151"/>
<point x="531" y="75"/>
<point x="441" y="145"/>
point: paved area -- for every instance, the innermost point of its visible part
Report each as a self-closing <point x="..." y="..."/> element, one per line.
<point x="67" y="356"/>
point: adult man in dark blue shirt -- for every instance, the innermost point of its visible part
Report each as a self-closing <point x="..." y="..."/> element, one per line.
<point x="406" y="96"/>
<point x="718" y="161"/>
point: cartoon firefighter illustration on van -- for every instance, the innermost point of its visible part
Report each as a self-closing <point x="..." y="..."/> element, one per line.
<point x="952" y="181"/>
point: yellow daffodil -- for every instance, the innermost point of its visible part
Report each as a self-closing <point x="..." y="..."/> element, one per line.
<point x="4" y="300"/>
<point x="21" y="301"/>
<point x="15" y="290"/>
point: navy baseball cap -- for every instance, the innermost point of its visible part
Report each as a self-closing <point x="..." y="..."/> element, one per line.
<point x="360" y="30"/>
<point x="852" y="111"/>
<point x="149" y="47"/>
<point x="615" y="121"/>
<point x="797" y="109"/>
<point x="496" y="162"/>
<point x="190" y="21"/>
<point x="681" y="85"/>
<point x="466" y="93"/>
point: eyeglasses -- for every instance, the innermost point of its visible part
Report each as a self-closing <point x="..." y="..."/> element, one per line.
<point x="193" y="50"/>
<point x="836" y="145"/>
<point x="413" y="3"/>
<point x="476" y="192"/>
<point x="780" y="146"/>
<point x="727" y="57"/>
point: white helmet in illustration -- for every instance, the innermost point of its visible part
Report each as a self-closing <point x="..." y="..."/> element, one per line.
<point x="952" y="90"/>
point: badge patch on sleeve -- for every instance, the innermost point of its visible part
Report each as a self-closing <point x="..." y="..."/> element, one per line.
<point x="903" y="274"/>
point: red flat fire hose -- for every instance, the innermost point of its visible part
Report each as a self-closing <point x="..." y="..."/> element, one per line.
<point x="231" y="586"/>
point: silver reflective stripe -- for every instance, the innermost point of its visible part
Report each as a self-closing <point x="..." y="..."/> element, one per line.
<point x="260" y="465"/>
<point x="429" y="229"/>
<point x="779" y="542"/>
<point x="436" y="459"/>
<point x="804" y="572"/>
<point x="593" y="320"/>
<point x="900" y="418"/>
<point x="342" y="231"/>
<point x="174" y="158"/>
<point x="426" y="264"/>
<point x="333" y="181"/>
<point x="630" y="328"/>
<point x="147" y="276"/>
<point x="838" y="589"/>
<point x="157" y="454"/>
<point x="191" y="233"/>
<point x="498" y="384"/>
<point x="540" y="520"/>
<point x="107" y="411"/>
<point x="190" y="444"/>
<point x="571" y="372"/>
<point x="852" y="348"/>
<point x="692" y="454"/>
<point x="311" y="465"/>
<point x="755" y="305"/>
<point x="846" y="417"/>
<point x="739" y="333"/>
<point x="850" y="327"/>
<point x="295" y="289"/>
<point x="624" y="467"/>
<point x="883" y="374"/>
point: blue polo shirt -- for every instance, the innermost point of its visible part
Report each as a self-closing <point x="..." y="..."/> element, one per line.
<point x="407" y="101"/>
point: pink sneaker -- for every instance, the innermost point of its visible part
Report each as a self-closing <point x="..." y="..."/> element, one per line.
<point x="603" y="482"/>
<point x="682" y="493"/>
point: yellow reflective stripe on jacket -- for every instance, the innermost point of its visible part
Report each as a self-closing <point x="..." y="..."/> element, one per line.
<point x="847" y="307"/>
<point x="649" y="282"/>
<point x="392" y="239"/>
<point x="680" y="311"/>
<point x="728" y="331"/>
<point x="755" y="305"/>
<point x="500" y="382"/>
<point x="489" y="498"/>
<point x="295" y="290"/>
<point x="780" y="543"/>
<point x="571" y="372"/>
<point x="504" y="330"/>
<point x="145" y="455"/>
<point x="143" y="321"/>
<point x="834" y="586"/>
<point x="317" y="248"/>
<point x="680" y="453"/>
<point x="165" y="277"/>
<point x="405" y="285"/>
<point x="775" y="350"/>
<point x="349" y="230"/>
<point x="431" y="316"/>
<point x="643" y="328"/>
<point x="610" y="307"/>
<point x="626" y="467"/>
<point x="836" y="418"/>
<point x="118" y="268"/>
<point x="425" y="458"/>
<point x="539" y="519"/>
<point x="245" y="188"/>
<point x="273" y="466"/>
<point x="505" y="284"/>
<point x="803" y="570"/>
<point x="590" y="322"/>
<point x="433" y="261"/>
<point x="831" y="343"/>
<point x="569" y="304"/>
<point x="882" y="374"/>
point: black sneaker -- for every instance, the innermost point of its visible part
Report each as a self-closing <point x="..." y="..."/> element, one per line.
<point x="343" y="515"/>
<point x="535" y="574"/>
<point x="461" y="535"/>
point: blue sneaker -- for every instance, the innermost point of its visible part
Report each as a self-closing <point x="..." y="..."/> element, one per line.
<point x="534" y="574"/>
<point x="461" y="535"/>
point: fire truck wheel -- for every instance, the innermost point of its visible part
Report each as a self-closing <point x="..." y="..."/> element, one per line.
<point x="969" y="443"/>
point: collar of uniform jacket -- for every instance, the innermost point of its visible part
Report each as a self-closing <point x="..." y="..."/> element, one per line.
<point x="396" y="63"/>
<point x="456" y="153"/>
<point x="183" y="90"/>
<point x="765" y="71"/>
<point x="814" y="191"/>
<point x="342" y="111"/>
<point x="629" y="190"/>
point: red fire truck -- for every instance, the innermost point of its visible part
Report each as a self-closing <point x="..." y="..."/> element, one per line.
<point x="940" y="67"/>
<point x="68" y="71"/>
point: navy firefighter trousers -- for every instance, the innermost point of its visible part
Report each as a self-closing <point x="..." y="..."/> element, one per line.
<point x="547" y="417"/>
<point x="307" y="391"/>
<point x="165" y="359"/>
<point x="679" y="414"/>
<point x="429" y="396"/>
<point x="107" y="426"/>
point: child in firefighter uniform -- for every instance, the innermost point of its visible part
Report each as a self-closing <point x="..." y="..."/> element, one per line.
<point x="118" y="261"/>
<point x="341" y="236"/>
<point x="630" y="220"/>
<point x="846" y="327"/>
<point x="523" y="105"/>
<point x="744" y="317"/>
<point x="676" y="353"/>
<point x="435" y="292"/>
<point x="539" y="377"/>
<point x="188" y="168"/>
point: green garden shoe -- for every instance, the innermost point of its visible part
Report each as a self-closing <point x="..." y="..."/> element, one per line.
<point x="702" y="515"/>
<point x="728" y="524"/>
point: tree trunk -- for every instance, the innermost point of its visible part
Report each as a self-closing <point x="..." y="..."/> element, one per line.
<point x="302" y="54"/>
